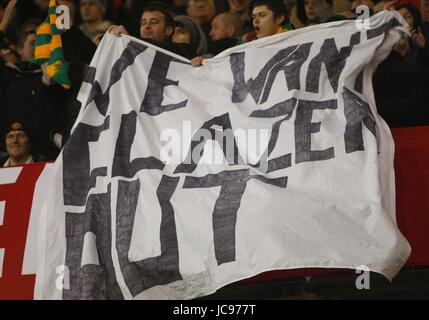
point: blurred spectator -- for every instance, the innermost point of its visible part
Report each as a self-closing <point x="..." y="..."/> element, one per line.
<point x="157" y="27"/>
<point x="189" y="32"/>
<point x="7" y="15"/>
<point x="351" y="13"/>
<point x="93" y="13"/>
<point x="24" y="96"/>
<point x="318" y="11"/>
<point x="269" y="18"/>
<point x="307" y="14"/>
<point x="241" y="9"/>
<point x="424" y="10"/>
<point x="323" y="9"/>
<point x="202" y="11"/>
<point x="73" y="6"/>
<point x="2" y="7"/>
<point x="225" y="32"/>
<point x="418" y="44"/>
<point x="66" y="105"/>
<point x="401" y="92"/>
<point x="17" y="139"/>
<point x="7" y="48"/>
<point x="180" y="7"/>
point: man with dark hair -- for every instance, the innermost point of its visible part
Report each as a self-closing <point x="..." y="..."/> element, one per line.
<point x="157" y="27"/>
<point x="269" y="17"/>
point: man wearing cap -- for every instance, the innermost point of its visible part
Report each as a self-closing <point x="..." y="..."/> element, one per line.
<point x="93" y="13"/>
<point x="18" y="147"/>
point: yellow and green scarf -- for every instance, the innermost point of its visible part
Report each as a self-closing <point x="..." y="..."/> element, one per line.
<point x="49" y="48"/>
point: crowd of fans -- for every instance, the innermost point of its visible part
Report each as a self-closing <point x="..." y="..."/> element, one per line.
<point x="36" y="114"/>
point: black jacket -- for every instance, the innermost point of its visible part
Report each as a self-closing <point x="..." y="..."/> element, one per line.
<point x="401" y="90"/>
<point x="180" y="49"/>
<point x="219" y="46"/>
<point x="24" y="98"/>
<point x="78" y="52"/>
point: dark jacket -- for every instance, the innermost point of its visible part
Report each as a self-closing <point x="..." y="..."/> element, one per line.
<point x="24" y="97"/>
<point x="78" y="52"/>
<point x="401" y="89"/>
<point x="219" y="46"/>
<point x="180" y="49"/>
<point x="420" y="55"/>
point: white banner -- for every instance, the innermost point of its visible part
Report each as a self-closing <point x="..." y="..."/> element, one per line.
<point x="178" y="181"/>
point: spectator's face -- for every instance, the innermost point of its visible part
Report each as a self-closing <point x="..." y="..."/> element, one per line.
<point x="424" y="10"/>
<point x="27" y="50"/>
<point x="90" y="11"/>
<point x="239" y="5"/>
<point x="264" y="22"/>
<point x="17" y="145"/>
<point x="181" y="35"/>
<point x="309" y="10"/>
<point x="201" y="11"/>
<point x="407" y="17"/>
<point x="153" y="27"/>
<point x="219" y="29"/>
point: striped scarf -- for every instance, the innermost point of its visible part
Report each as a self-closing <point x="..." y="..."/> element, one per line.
<point x="285" y="28"/>
<point x="49" y="48"/>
